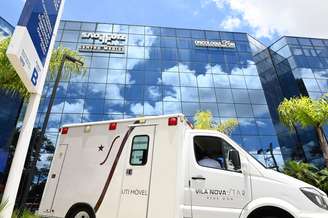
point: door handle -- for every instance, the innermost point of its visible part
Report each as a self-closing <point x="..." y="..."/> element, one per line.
<point x="128" y="172"/>
<point x="198" y="178"/>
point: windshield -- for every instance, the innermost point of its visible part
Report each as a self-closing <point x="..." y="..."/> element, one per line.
<point x="253" y="156"/>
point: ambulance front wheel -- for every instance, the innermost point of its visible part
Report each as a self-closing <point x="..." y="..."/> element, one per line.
<point x="80" y="211"/>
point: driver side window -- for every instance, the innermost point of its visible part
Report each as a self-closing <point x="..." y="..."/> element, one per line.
<point x="214" y="152"/>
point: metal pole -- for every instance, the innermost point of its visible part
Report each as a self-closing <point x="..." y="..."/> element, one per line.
<point x="273" y="157"/>
<point x="43" y="130"/>
<point x="17" y="165"/>
<point x="51" y="102"/>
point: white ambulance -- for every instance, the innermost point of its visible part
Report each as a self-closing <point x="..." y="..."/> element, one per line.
<point x="159" y="167"/>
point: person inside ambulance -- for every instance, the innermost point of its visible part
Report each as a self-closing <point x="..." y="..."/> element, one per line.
<point x="215" y="153"/>
<point x="208" y="158"/>
<point x="209" y="162"/>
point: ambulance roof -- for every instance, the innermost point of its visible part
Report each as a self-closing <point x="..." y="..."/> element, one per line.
<point x="124" y="120"/>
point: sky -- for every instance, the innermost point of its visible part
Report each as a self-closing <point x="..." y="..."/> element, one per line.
<point x="267" y="20"/>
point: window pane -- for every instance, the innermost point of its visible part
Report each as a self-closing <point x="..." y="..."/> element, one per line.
<point x="99" y="62"/>
<point x="212" y="107"/>
<point x="153" y="77"/>
<point x="137" y="29"/>
<point x="120" y="28"/>
<point x="167" y="31"/>
<point x="70" y="36"/>
<point x="253" y="82"/>
<point x="248" y="126"/>
<point x="190" y="109"/>
<point x="116" y="76"/>
<point x="240" y="96"/>
<point x="172" y="107"/>
<point x="224" y="95"/>
<point x="117" y="63"/>
<point x="93" y="106"/>
<point x="114" y="106"/>
<point x="168" y="42"/>
<point x="323" y="83"/>
<point x="237" y="82"/>
<point x="139" y="150"/>
<point x="137" y="40"/>
<point x="170" y="78"/>
<point x="183" y="33"/>
<point x="261" y="111"/>
<point x="136" y="52"/>
<point x="244" y="110"/>
<point x="114" y="91"/>
<point x="221" y="81"/>
<point x="205" y="80"/>
<point x="104" y="28"/>
<point x="171" y="93"/>
<point x="189" y="94"/>
<point x="311" y="84"/>
<point x="257" y="96"/>
<point x="153" y="93"/>
<point x="169" y="54"/>
<point x="188" y="79"/>
<point x="98" y="75"/>
<point x="133" y="92"/>
<point x="227" y="110"/>
<point x="265" y="127"/>
<point x="153" y="41"/>
<point x="207" y="95"/>
<point x="95" y="90"/>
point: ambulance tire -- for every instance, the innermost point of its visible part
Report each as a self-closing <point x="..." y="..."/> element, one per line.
<point x="80" y="211"/>
<point x="270" y="212"/>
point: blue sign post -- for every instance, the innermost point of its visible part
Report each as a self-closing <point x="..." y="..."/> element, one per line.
<point x="31" y="40"/>
<point x="29" y="52"/>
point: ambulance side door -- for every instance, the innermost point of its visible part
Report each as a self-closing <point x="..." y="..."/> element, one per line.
<point x="137" y="173"/>
<point x="218" y="187"/>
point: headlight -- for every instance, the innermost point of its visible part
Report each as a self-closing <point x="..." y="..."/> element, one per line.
<point x="316" y="197"/>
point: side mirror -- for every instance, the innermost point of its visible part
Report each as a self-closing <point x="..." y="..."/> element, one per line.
<point x="235" y="159"/>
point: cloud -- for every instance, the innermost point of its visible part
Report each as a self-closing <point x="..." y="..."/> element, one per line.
<point x="219" y="3"/>
<point x="230" y="23"/>
<point x="283" y="17"/>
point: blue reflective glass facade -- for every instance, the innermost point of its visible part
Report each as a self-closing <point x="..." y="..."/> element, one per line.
<point x="6" y="29"/>
<point x="163" y="72"/>
<point x="295" y="66"/>
<point x="9" y="111"/>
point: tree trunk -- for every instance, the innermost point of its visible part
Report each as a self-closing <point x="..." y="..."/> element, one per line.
<point x="323" y="143"/>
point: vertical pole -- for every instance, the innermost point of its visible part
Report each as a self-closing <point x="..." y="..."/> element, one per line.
<point x="273" y="157"/>
<point x="40" y="140"/>
<point x="17" y="165"/>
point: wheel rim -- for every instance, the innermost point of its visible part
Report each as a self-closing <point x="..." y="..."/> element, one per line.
<point x="82" y="214"/>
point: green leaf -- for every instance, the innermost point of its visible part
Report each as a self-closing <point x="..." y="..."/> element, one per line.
<point x="10" y="81"/>
<point x="204" y="120"/>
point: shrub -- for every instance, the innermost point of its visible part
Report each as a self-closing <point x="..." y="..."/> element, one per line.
<point x="308" y="173"/>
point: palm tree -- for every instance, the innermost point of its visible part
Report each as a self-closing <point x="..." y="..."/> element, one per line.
<point x="10" y="81"/>
<point x="306" y="112"/>
<point x="204" y="120"/>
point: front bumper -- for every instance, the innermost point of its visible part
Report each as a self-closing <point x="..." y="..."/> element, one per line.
<point x="314" y="215"/>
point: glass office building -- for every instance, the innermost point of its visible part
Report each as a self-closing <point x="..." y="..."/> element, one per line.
<point x="134" y="70"/>
<point x="157" y="70"/>
<point x="290" y="67"/>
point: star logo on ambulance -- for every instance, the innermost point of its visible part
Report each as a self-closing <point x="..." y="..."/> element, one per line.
<point x="100" y="148"/>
